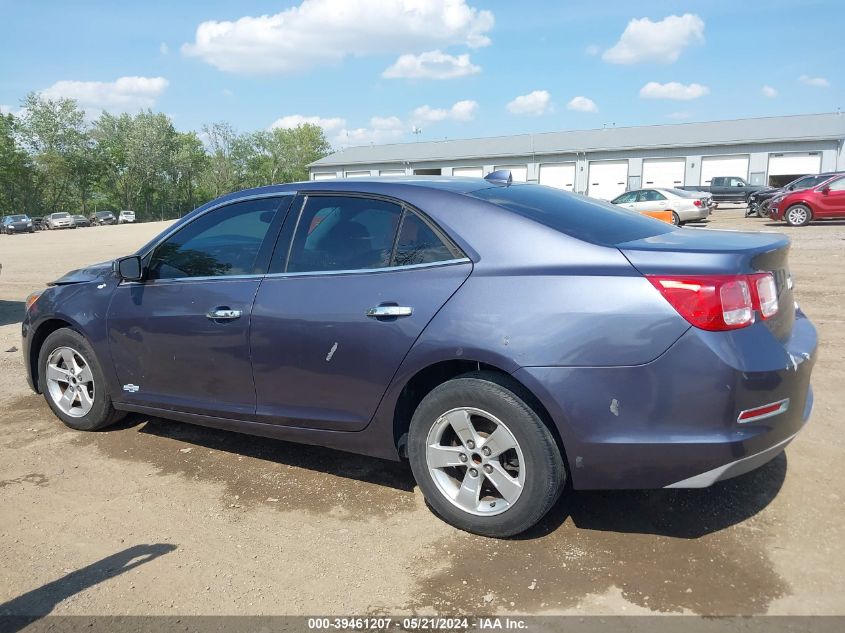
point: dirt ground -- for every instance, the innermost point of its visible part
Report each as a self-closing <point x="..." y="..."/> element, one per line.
<point x="159" y="517"/>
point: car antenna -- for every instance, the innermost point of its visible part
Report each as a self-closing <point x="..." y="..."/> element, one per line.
<point x="500" y="177"/>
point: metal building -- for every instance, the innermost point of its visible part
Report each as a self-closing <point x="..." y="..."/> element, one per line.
<point x="605" y="162"/>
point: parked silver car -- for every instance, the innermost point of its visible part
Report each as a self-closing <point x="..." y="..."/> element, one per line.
<point x="126" y="217"/>
<point x="60" y="220"/>
<point x="686" y="206"/>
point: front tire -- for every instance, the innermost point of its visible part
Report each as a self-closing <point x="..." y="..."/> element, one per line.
<point x="72" y="381"/>
<point x="798" y="215"/>
<point x="484" y="460"/>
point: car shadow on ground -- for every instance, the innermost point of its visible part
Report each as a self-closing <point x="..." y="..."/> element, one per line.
<point x="39" y="602"/>
<point x="11" y="311"/>
<point x="678" y="513"/>
<point x="315" y="458"/>
<point x="784" y="225"/>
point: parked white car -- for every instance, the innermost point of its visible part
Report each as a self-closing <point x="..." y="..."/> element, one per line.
<point x="126" y="217"/>
<point x="686" y="206"/>
<point x="60" y="220"/>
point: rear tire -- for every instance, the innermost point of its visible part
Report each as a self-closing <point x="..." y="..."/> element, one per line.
<point x="676" y="220"/>
<point x="798" y="215"/>
<point x="73" y="384"/>
<point x="482" y="457"/>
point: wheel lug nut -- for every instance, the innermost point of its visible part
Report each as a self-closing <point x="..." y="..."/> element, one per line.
<point x="486" y="451"/>
<point x="473" y="472"/>
<point x="470" y="445"/>
<point x="462" y="457"/>
<point x="488" y="468"/>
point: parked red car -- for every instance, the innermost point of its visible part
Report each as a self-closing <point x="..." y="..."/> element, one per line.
<point x="825" y="201"/>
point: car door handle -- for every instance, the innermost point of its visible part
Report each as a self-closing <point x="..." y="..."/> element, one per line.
<point x="389" y="311"/>
<point x="223" y="314"/>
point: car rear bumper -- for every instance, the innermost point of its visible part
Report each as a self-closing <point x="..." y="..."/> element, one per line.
<point x="673" y="422"/>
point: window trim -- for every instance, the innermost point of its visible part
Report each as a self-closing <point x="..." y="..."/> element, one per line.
<point x="287" y="234"/>
<point x="268" y="243"/>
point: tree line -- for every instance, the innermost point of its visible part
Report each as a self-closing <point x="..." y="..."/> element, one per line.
<point x="53" y="158"/>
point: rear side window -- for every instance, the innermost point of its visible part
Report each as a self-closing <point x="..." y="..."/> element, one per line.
<point x="583" y="218"/>
<point x="343" y="233"/>
<point x="419" y="243"/>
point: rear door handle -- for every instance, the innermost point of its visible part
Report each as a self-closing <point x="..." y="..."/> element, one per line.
<point x="389" y="311"/>
<point x="223" y="314"/>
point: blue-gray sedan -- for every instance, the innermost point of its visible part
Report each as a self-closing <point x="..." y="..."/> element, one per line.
<point x="507" y="339"/>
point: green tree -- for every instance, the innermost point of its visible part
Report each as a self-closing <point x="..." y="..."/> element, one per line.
<point x="55" y="134"/>
<point x="17" y="173"/>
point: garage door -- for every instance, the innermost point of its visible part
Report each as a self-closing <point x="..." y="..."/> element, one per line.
<point x="324" y="175"/>
<point x="798" y="164"/>
<point x="358" y="174"/>
<point x="519" y="173"/>
<point x="468" y="172"/>
<point x="724" y="166"/>
<point x="607" y="178"/>
<point x="663" y="172"/>
<point x="560" y="175"/>
<point x="392" y="172"/>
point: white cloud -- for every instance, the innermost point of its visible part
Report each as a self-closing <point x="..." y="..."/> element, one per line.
<point x="163" y="48"/>
<point x="329" y="125"/>
<point x="431" y="65"/>
<point x="533" y="104"/>
<point x="582" y="104"/>
<point x="769" y="92"/>
<point x="381" y="130"/>
<point x="816" y="82"/>
<point x="321" y="32"/>
<point x="123" y="94"/>
<point x="460" y="111"/>
<point x="663" y="41"/>
<point x="673" y="90"/>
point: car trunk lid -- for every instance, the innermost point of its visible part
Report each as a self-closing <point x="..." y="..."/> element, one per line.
<point x="716" y="252"/>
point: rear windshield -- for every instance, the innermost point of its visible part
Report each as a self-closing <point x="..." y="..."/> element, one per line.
<point x="681" y="193"/>
<point x="586" y="219"/>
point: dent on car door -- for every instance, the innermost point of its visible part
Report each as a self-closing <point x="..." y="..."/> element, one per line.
<point x="179" y="339"/>
<point x="354" y="282"/>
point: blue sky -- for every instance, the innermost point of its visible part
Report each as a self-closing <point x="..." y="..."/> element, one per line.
<point x="371" y="70"/>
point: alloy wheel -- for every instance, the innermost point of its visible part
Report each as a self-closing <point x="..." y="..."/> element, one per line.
<point x="797" y="215"/>
<point x="475" y="461"/>
<point x="70" y="382"/>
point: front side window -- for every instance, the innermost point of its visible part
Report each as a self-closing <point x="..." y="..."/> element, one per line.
<point x="222" y="242"/>
<point x="626" y="198"/>
<point x="837" y="185"/>
<point x="343" y="233"/>
<point x="737" y="182"/>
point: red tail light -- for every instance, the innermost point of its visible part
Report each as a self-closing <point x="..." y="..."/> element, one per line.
<point x="719" y="302"/>
<point x="697" y="202"/>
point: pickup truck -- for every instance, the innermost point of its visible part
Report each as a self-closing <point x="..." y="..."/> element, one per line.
<point x="728" y="189"/>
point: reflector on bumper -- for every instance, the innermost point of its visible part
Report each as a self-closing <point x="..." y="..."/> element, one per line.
<point x="760" y="413"/>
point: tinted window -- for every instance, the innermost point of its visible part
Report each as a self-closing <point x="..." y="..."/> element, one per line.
<point x="225" y="241"/>
<point x="343" y="233"/>
<point x="626" y="198"/>
<point x="578" y="216"/>
<point x="16" y="218"/>
<point x="418" y="243"/>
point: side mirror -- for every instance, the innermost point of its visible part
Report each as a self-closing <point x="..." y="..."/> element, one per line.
<point x="826" y="191"/>
<point x="129" y="268"/>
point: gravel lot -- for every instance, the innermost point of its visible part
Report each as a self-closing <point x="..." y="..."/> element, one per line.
<point x="158" y="517"/>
